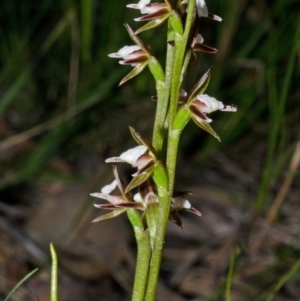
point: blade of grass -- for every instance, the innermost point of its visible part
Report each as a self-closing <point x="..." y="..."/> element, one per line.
<point x="20" y="283"/>
<point x="230" y="275"/>
<point x="54" y="274"/>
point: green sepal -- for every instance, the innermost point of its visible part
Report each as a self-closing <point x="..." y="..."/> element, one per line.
<point x="151" y="24"/>
<point x="160" y="175"/>
<point x="141" y="141"/>
<point x="181" y="119"/>
<point x="156" y="69"/>
<point x="109" y="215"/>
<point x="200" y="86"/>
<point x="176" y="23"/>
<point x="134" y="72"/>
<point x="205" y="126"/>
<point x="139" y="179"/>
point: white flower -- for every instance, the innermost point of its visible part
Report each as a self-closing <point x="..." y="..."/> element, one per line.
<point x="179" y="203"/>
<point x="127" y="53"/>
<point x="142" y="6"/>
<point x="105" y="194"/>
<point x="109" y="188"/>
<point x="131" y="156"/>
<point x="156" y="11"/>
<point x="207" y="104"/>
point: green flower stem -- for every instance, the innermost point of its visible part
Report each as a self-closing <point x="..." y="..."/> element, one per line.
<point x="161" y="180"/>
<point x="163" y="102"/>
<point x="180" y="47"/>
<point x="143" y="256"/>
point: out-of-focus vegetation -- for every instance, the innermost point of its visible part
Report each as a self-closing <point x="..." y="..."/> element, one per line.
<point x="59" y="96"/>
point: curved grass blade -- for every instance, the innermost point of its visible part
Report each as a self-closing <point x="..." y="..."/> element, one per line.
<point x="20" y="283"/>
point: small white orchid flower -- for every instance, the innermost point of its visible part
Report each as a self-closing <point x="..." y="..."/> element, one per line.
<point x="178" y="203"/>
<point x="133" y="156"/>
<point x="118" y="204"/>
<point x="131" y="55"/>
<point x="156" y="13"/>
<point x="210" y="104"/>
<point x="137" y="56"/>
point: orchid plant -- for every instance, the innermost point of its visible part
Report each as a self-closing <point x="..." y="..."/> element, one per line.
<point x="149" y="199"/>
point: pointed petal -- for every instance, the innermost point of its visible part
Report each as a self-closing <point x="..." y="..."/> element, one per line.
<point x="139" y="179"/>
<point x="174" y="218"/>
<point x="214" y="17"/>
<point x="119" y="181"/>
<point x="205" y="126"/>
<point x="105" y="206"/>
<point x="153" y="15"/>
<point x="109" y="188"/>
<point x="140" y="140"/>
<point x="131" y="205"/>
<point x="132" y="155"/>
<point x="109" y="215"/>
<point x="134" y="72"/>
<point x="98" y="195"/>
<point x="202" y="8"/>
<point x="204" y="48"/>
<point x="137" y="40"/>
<point x="195" y="211"/>
<point x="114" y="160"/>
<point x="200" y="86"/>
<point x="151" y="24"/>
